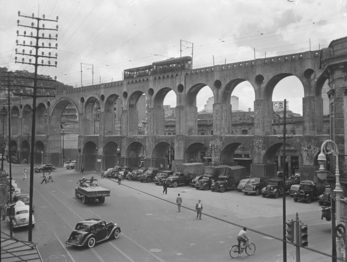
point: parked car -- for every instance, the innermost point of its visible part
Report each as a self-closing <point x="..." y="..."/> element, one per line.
<point x="196" y="179"/>
<point x="242" y="184"/>
<point x="14" y="160"/>
<point x="255" y="185"/>
<point x="136" y="173"/>
<point x="92" y="231"/>
<point x="44" y="168"/>
<point x="294" y="189"/>
<point x="308" y="191"/>
<point x="71" y="165"/>
<point x="149" y="175"/>
<point x="162" y="176"/>
<point x="229" y="179"/>
<point x="274" y="187"/>
<point x="18" y="214"/>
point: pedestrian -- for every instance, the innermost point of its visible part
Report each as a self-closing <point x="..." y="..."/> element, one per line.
<point x="164" y="187"/>
<point x="82" y="169"/>
<point x="24" y="174"/>
<point x="44" y="178"/>
<point x="102" y="174"/>
<point x="179" y="202"/>
<point x="119" y="178"/>
<point x="198" y="209"/>
<point x="50" y="177"/>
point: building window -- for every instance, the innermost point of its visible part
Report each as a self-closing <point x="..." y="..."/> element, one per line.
<point x="202" y="133"/>
<point x="244" y="131"/>
<point x="212" y="132"/>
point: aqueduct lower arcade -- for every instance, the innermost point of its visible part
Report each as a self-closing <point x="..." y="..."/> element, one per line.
<point x="107" y="118"/>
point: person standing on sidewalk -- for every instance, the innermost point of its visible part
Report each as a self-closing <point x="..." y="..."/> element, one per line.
<point x="164" y="187"/>
<point x="179" y="202"/>
<point x="24" y="174"/>
<point x="198" y="208"/>
<point x="50" y="177"/>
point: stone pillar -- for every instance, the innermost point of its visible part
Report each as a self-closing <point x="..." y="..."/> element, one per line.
<point x="312" y="115"/>
<point x="179" y="151"/>
<point x="156" y="121"/>
<point x="132" y="122"/>
<point x="221" y="119"/>
<point x="180" y="120"/>
<point x="191" y="117"/>
<point x="258" y="168"/>
<point x="262" y="117"/>
<point x="101" y="123"/>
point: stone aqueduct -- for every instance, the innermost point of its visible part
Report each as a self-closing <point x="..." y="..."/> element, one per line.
<point x="106" y="149"/>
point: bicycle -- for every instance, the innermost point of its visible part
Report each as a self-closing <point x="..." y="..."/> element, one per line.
<point x="249" y="248"/>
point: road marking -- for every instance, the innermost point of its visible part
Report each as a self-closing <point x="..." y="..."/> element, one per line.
<point x="269" y="238"/>
<point x="122" y="233"/>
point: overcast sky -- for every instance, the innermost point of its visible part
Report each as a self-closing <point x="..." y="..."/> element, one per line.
<point x="113" y="35"/>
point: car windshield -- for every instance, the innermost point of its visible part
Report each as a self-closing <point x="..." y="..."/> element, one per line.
<point x="305" y="187"/>
<point x="254" y="180"/>
<point x="82" y="227"/>
<point x="22" y="212"/>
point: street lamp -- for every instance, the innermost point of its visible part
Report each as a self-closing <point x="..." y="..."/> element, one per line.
<point x="329" y="147"/>
<point x="3" y="114"/>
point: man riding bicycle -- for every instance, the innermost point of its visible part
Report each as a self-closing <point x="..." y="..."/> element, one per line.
<point x="242" y="237"/>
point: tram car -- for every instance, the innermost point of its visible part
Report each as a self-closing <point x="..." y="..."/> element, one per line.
<point x="166" y="66"/>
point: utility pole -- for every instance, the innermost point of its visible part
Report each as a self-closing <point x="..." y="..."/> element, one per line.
<point x="92" y="72"/>
<point x="191" y="45"/>
<point x="47" y="62"/>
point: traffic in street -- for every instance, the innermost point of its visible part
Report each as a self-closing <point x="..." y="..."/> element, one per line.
<point x="151" y="227"/>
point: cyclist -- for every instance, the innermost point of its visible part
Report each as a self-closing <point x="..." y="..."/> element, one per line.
<point x="242" y="237"/>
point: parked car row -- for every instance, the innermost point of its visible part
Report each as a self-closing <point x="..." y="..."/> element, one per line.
<point x="44" y="168"/>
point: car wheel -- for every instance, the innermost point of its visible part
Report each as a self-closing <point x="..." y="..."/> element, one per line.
<point x="116" y="233"/>
<point x="101" y="199"/>
<point x="205" y="187"/>
<point x="175" y="184"/>
<point x="309" y="199"/>
<point x="84" y="200"/>
<point x="263" y="195"/>
<point x="277" y="195"/>
<point x="295" y="199"/>
<point x="222" y="189"/>
<point x="212" y="189"/>
<point x="257" y="192"/>
<point x="91" y="242"/>
<point x="149" y="179"/>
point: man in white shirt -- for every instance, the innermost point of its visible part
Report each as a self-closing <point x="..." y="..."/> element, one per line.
<point x="242" y="237"/>
<point x="198" y="208"/>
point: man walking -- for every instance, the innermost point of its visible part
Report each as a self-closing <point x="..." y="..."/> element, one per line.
<point x="82" y="169"/>
<point x="50" y="177"/>
<point x="179" y="202"/>
<point x="44" y="178"/>
<point x="24" y="174"/>
<point x="198" y="208"/>
<point x="164" y="187"/>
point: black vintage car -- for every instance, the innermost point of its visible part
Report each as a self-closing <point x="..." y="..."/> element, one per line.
<point x="255" y="185"/>
<point x="162" y="176"/>
<point x="92" y="231"/>
<point x="308" y="191"/>
<point x="44" y="168"/>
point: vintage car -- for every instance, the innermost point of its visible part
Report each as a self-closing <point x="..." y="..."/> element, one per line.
<point x="92" y="231"/>
<point x="196" y="179"/>
<point x="324" y="199"/>
<point x="149" y="175"/>
<point x="71" y="165"/>
<point x="255" y="185"/>
<point x="24" y="197"/>
<point x="308" y="191"/>
<point x="134" y="175"/>
<point x="273" y="188"/>
<point x="162" y="176"/>
<point x="18" y="215"/>
<point x="294" y="189"/>
<point x="242" y="184"/>
<point x="44" y="168"/>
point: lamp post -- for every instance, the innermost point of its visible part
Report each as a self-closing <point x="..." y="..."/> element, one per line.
<point x="329" y="147"/>
<point x="3" y="113"/>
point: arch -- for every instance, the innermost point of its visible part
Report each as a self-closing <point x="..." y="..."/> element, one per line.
<point x="27" y="120"/>
<point x="41" y="119"/>
<point x="39" y="152"/>
<point x="13" y="148"/>
<point x="227" y="153"/>
<point x="193" y="92"/>
<point x="160" y="96"/>
<point x="134" y="154"/>
<point x="25" y="151"/>
<point x="111" y="153"/>
<point x="196" y="152"/>
<point x="89" y="156"/>
<point x="113" y="115"/>
<point x="229" y="88"/>
<point x="91" y="122"/>
<point x="137" y="113"/>
<point x="163" y="154"/>
<point x="15" y="121"/>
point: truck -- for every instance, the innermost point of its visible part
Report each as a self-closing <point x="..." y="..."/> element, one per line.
<point x="308" y="191"/>
<point x="229" y="178"/>
<point x="90" y="192"/>
<point x="185" y="173"/>
<point x="211" y="174"/>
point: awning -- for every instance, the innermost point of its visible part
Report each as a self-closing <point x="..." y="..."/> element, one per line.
<point x="13" y="250"/>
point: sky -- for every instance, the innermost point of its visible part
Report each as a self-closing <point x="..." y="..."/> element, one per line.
<point x="112" y="35"/>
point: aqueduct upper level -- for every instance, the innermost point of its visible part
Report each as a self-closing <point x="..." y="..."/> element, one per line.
<point x="312" y="68"/>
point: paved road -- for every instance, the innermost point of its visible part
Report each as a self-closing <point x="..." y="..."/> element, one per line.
<point x="153" y="230"/>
